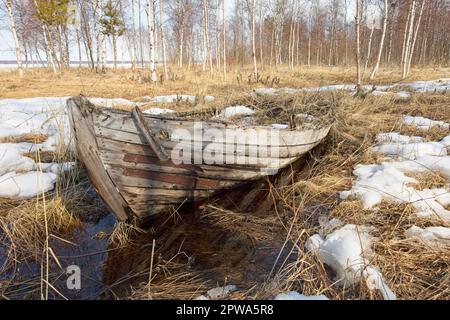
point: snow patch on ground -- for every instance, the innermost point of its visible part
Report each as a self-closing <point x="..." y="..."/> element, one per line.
<point x="26" y="185"/>
<point x="235" y="111"/>
<point x="424" y="123"/>
<point x="345" y="251"/>
<point x="20" y="176"/>
<point x="390" y="180"/>
<point x="439" y="85"/>
<point x="435" y="237"/>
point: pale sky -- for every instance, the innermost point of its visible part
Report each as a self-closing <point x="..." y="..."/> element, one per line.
<point x="7" y="48"/>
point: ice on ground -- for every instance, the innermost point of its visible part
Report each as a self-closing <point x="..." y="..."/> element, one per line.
<point x="435" y="237"/>
<point x="424" y="123"/>
<point x="294" y="295"/>
<point x="230" y="112"/>
<point x="217" y="293"/>
<point x="403" y="95"/>
<point x="158" y="111"/>
<point x="26" y="185"/>
<point x="345" y="251"/>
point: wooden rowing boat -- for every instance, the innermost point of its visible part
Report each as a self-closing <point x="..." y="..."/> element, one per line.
<point x="129" y="156"/>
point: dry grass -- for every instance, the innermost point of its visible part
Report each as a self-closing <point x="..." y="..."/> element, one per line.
<point x="40" y="82"/>
<point x="192" y="257"/>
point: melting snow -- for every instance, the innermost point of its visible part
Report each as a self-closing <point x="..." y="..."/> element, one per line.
<point x="439" y="85"/>
<point x="20" y="176"/>
<point x="26" y="185"/>
<point x="345" y="251"/>
<point x="433" y="236"/>
<point x="424" y="123"/>
<point x="236" y="111"/>
<point x="389" y="180"/>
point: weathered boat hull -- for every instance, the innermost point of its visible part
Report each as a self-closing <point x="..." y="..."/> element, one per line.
<point x="125" y="156"/>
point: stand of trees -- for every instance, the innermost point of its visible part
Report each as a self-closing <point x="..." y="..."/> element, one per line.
<point x="210" y="33"/>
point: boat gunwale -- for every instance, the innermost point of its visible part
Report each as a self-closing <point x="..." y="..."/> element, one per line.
<point x="227" y="124"/>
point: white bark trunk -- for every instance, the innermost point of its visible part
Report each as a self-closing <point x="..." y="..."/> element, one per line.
<point x="255" y="67"/>
<point x="408" y="41"/>
<point x="383" y="36"/>
<point x="224" y="40"/>
<point x="151" y="30"/>
<point x="9" y="7"/>
<point x="358" y="48"/>
<point x="411" y="51"/>
<point x="163" y="40"/>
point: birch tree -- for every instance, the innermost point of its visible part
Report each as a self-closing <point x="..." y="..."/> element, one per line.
<point x="224" y="25"/>
<point x="163" y="38"/>
<point x="255" y="67"/>
<point x="151" y="29"/>
<point x="358" y="48"/>
<point x="408" y="39"/>
<point x="383" y="36"/>
<point x="12" y="23"/>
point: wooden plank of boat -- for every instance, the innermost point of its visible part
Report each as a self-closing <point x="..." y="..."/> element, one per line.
<point x="211" y="148"/>
<point x="263" y="134"/>
<point x="108" y="147"/>
<point x="82" y="125"/>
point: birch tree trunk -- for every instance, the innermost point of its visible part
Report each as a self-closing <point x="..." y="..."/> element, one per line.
<point x="79" y="48"/>
<point x="405" y="58"/>
<point x="163" y="39"/>
<point x="383" y="36"/>
<point x="151" y="30"/>
<point x="12" y="23"/>
<point x="391" y="33"/>
<point x="369" y="47"/>
<point x="411" y="51"/>
<point x="309" y="39"/>
<point x="358" y="48"/>
<point x="224" y="40"/>
<point x="208" y="43"/>
<point x="113" y="37"/>
<point x="261" y="23"/>
<point x="204" y="33"/>
<point x="255" y="67"/>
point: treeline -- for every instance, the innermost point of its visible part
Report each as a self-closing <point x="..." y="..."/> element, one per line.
<point x="215" y="35"/>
